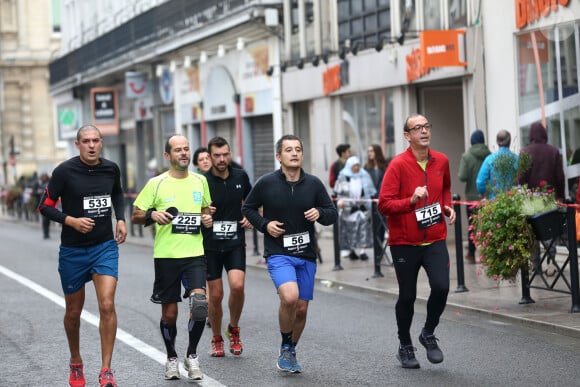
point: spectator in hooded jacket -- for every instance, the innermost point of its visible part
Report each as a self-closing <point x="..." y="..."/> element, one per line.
<point x="546" y="170"/>
<point x="468" y="169"/>
<point x="354" y="188"/>
<point x="547" y="167"/>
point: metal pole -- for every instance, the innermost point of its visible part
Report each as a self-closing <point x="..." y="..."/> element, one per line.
<point x="526" y="297"/>
<point x="377" y="246"/>
<point x="337" y="265"/>
<point x="459" y="247"/>
<point x="255" y="239"/>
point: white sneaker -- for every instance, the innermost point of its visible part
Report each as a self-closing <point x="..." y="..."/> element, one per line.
<point x="172" y="369"/>
<point x="191" y="365"/>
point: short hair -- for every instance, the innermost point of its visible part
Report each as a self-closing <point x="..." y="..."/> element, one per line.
<point x="168" y="145"/>
<point x="406" y="126"/>
<point x="86" y="128"/>
<point x="197" y="152"/>
<point x="341" y="148"/>
<point x="218" y="142"/>
<point x="504" y="138"/>
<point x="287" y="137"/>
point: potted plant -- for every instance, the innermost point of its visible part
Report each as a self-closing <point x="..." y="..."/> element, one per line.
<point x="505" y="228"/>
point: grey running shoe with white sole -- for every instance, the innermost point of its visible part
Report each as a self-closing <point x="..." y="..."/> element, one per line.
<point x="191" y="365"/>
<point x="172" y="369"/>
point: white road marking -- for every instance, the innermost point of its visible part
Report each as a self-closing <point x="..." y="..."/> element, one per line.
<point x="122" y="336"/>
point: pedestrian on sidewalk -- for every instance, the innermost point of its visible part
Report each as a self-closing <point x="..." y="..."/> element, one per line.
<point x="89" y="188"/>
<point x="546" y="171"/>
<point x="354" y="189"/>
<point x="416" y="196"/>
<point x="343" y="151"/>
<point x="225" y="244"/>
<point x="38" y="192"/>
<point x="468" y="169"/>
<point x="292" y="201"/>
<point x="177" y="202"/>
<point x="498" y="172"/>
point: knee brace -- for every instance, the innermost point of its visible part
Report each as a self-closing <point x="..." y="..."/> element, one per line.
<point x="197" y="306"/>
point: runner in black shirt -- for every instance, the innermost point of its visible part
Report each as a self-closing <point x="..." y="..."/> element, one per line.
<point x="225" y="244"/>
<point x="89" y="188"/>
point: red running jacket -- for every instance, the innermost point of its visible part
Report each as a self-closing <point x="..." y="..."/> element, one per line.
<point x="403" y="175"/>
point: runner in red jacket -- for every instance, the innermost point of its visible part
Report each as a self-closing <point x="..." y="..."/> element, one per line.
<point x="416" y="196"/>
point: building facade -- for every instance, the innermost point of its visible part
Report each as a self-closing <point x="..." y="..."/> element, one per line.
<point x="199" y="68"/>
<point x="328" y="71"/>
<point x="29" y="39"/>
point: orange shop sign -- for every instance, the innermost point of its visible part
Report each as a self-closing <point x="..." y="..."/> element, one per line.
<point x="529" y="11"/>
<point x="331" y="79"/>
<point x="441" y="48"/>
<point x="415" y="69"/>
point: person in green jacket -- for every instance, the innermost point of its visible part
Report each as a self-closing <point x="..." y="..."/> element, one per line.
<point x="468" y="169"/>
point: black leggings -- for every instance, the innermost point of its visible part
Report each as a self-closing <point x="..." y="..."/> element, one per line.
<point x="434" y="258"/>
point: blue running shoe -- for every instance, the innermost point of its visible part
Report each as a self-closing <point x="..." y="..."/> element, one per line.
<point x="287" y="358"/>
<point x="297" y="368"/>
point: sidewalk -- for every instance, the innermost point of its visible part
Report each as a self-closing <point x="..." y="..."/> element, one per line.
<point x="492" y="299"/>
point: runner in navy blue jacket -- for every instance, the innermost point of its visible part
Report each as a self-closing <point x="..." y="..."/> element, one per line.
<point x="291" y="201"/>
<point x="225" y="244"/>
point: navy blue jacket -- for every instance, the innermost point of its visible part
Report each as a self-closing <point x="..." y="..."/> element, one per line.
<point x="286" y="202"/>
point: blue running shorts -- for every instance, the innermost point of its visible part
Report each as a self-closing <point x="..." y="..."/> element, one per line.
<point x="284" y="269"/>
<point x="76" y="265"/>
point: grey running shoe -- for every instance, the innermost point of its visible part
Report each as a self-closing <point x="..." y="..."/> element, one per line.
<point x="406" y="356"/>
<point x="172" y="369"/>
<point x="191" y="365"/>
<point x="434" y="353"/>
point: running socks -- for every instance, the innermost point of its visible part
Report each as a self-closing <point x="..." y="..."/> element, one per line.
<point x="168" y="332"/>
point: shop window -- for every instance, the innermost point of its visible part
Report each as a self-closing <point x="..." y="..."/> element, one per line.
<point x="8" y="20"/>
<point x="363" y="23"/>
<point x="457" y="13"/>
<point x="432" y="15"/>
<point x="568" y="64"/>
<point x="529" y="78"/>
<point x="55" y="13"/>
<point x="368" y="119"/>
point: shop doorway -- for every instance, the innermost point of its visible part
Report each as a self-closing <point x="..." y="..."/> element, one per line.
<point x="443" y="107"/>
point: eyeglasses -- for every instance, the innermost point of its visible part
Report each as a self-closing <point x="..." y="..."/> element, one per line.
<point x="418" y="128"/>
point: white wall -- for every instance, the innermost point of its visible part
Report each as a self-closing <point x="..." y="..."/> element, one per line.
<point x="500" y="71"/>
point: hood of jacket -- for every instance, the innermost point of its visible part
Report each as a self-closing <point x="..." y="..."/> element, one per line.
<point x="479" y="151"/>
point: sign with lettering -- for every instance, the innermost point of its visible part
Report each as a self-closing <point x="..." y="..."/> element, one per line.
<point x="105" y="112"/>
<point x="529" y="11"/>
<point x="442" y="48"/>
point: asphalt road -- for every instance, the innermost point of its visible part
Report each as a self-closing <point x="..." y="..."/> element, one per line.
<point x="350" y="337"/>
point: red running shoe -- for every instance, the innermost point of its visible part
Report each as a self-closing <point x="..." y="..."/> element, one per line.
<point x="106" y="378"/>
<point x="233" y="334"/>
<point x="217" y="346"/>
<point x="77" y="376"/>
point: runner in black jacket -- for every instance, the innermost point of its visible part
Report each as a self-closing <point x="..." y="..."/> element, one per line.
<point x="225" y="244"/>
<point x="292" y="201"/>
